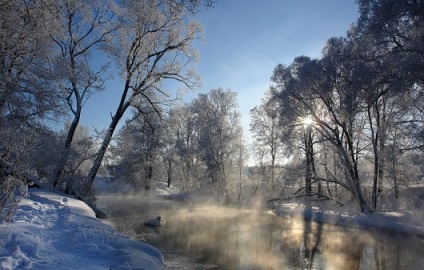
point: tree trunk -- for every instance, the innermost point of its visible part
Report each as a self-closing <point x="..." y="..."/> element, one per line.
<point x="378" y="143"/>
<point x="314" y="171"/>
<point x="74" y="125"/>
<point x="106" y="140"/>
<point x="374" y="141"/>
<point x="122" y="107"/>
<point x="148" y="170"/>
<point x="102" y="151"/>
<point x="169" y="172"/>
<point x="395" y="182"/>
<point x="375" y="176"/>
<point x="309" y="160"/>
<point x="273" y="157"/>
<point x="240" y="168"/>
<point x="351" y="171"/>
<point x="382" y="147"/>
<point x="55" y="177"/>
<point x="327" y="172"/>
<point x="272" y="171"/>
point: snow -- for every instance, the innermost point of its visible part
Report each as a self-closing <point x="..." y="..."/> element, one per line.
<point x="54" y="231"/>
<point x="397" y="220"/>
<point x="394" y="221"/>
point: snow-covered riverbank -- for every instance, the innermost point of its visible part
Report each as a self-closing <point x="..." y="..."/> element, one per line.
<point x="393" y="222"/>
<point x="52" y="231"/>
<point x="55" y="231"/>
<point x="197" y="233"/>
<point x="404" y="215"/>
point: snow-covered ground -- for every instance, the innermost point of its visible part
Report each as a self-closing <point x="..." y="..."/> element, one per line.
<point x="395" y="222"/>
<point x="404" y="215"/>
<point x="53" y="231"/>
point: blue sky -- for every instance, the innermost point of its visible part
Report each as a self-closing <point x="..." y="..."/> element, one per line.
<point x="245" y="40"/>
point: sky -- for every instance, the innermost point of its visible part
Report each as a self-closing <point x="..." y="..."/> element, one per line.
<point x="244" y="41"/>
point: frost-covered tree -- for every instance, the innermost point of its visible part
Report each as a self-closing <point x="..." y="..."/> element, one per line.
<point x="168" y="149"/>
<point x="396" y="28"/>
<point x="363" y="97"/>
<point x="267" y="133"/>
<point x="152" y="44"/>
<point x="26" y="95"/>
<point x="77" y="28"/>
<point x="137" y="150"/>
<point x="312" y="88"/>
<point x="25" y="89"/>
<point x="177" y="138"/>
<point x="217" y="122"/>
<point x="79" y="160"/>
<point x="185" y="138"/>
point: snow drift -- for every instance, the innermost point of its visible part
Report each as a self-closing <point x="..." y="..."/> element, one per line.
<point x="53" y="231"/>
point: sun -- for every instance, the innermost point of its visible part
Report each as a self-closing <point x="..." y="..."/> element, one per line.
<point x="308" y="120"/>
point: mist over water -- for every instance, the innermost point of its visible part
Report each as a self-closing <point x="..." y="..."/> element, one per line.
<point x="208" y="236"/>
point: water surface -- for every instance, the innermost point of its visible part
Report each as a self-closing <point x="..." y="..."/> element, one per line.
<point x="206" y="236"/>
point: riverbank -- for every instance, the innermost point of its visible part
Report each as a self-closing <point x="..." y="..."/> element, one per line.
<point x="392" y="222"/>
<point x="404" y="215"/>
<point x="397" y="219"/>
<point x="197" y="233"/>
<point x="55" y="231"/>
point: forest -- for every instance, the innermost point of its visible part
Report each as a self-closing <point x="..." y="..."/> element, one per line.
<point x="347" y="128"/>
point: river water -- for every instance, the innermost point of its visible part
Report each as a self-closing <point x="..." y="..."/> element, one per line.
<point x="204" y="236"/>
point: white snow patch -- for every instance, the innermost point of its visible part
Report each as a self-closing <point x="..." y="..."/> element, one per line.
<point x="53" y="231"/>
<point x="396" y="222"/>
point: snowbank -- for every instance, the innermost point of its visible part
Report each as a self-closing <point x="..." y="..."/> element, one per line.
<point x="395" y="222"/>
<point x="52" y="231"/>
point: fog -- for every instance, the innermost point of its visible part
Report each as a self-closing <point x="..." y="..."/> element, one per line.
<point x="205" y="235"/>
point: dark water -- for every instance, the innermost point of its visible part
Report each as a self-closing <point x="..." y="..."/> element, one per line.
<point x="213" y="237"/>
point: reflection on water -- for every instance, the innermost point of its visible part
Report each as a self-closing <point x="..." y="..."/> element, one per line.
<point x="230" y="238"/>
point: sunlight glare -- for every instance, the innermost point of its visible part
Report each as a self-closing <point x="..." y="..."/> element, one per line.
<point x="308" y="120"/>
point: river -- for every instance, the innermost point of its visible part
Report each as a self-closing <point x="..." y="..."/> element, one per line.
<point x="205" y="236"/>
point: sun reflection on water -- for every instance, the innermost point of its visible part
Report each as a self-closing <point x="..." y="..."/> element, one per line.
<point x="234" y="238"/>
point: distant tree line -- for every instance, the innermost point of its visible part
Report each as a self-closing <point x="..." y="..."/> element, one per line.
<point x="194" y="146"/>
